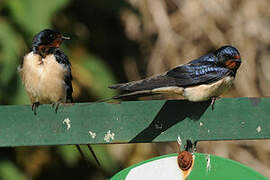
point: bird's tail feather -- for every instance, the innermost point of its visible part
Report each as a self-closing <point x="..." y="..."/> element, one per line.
<point x="150" y="83"/>
<point x="135" y="94"/>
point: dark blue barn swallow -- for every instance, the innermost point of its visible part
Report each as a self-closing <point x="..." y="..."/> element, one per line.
<point x="46" y="73"/>
<point x="199" y="80"/>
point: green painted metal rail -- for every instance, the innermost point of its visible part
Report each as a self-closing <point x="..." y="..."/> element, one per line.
<point x="136" y="121"/>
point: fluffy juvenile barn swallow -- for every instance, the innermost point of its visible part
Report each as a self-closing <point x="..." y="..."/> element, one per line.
<point x="199" y="80"/>
<point x="46" y="73"/>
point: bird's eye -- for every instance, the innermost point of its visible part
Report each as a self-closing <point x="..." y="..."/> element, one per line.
<point x="52" y="36"/>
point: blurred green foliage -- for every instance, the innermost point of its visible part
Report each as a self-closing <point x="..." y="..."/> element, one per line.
<point x="9" y="171"/>
<point x="11" y="48"/>
<point x="101" y="76"/>
<point x="34" y="15"/>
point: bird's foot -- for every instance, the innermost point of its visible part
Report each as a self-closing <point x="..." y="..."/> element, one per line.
<point x="34" y="107"/>
<point x="213" y="102"/>
<point x="55" y="106"/>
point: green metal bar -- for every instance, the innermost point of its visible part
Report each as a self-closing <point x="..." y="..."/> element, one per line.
<point x="135" y="121"/>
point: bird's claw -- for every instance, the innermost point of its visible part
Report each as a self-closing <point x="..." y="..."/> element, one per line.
<point x="55" y="106"/>
<point x="213" y="102"/>
<point x="34" y="107"/>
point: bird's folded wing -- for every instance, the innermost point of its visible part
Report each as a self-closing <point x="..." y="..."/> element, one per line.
<point x="182" y="76"/>
<point x="61" y="58"/>
<point x="193" y="74"/>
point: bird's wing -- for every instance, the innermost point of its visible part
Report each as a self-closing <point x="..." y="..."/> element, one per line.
<point x="61" y="58"/>
<point x="206" y="59"/>
<point x="146" y="84"/>
<point x="68" y="79"/>
<point x="196" y="74"/>
<point x="181" y="76"/>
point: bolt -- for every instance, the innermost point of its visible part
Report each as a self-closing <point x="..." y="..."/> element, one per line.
<point x="184" y="160"/>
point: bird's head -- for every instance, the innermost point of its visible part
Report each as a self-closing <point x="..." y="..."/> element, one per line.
<point x="46" y="41"/>
<point x="228" y="57"/>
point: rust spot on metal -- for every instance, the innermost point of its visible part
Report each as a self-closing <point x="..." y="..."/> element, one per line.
<point x="255" y="101"/>
<point x="184" y="160"/>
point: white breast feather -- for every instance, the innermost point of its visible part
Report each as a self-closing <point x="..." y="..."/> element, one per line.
<point x="205" y="92"/>
<point x="43" y="79"/>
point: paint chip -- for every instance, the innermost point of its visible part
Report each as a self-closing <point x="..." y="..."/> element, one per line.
<point x="67" y="122"/>
<point x="259" y="129"/>
<point x="92" y="134"/>
<point x="208" y="130"/>
<point x="208" y="163"/>
<point x="109" y="136"/>
<point x="201" y="124"/>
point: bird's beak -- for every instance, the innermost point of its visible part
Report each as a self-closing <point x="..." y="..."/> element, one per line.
<point x="65" y="38"/>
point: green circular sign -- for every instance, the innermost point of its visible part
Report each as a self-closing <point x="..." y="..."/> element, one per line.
<point x="205" y="166"/>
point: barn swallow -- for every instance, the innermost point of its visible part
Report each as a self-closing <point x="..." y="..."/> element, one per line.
<point x="46" y="73"/>
<point x="199" y="80"/>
